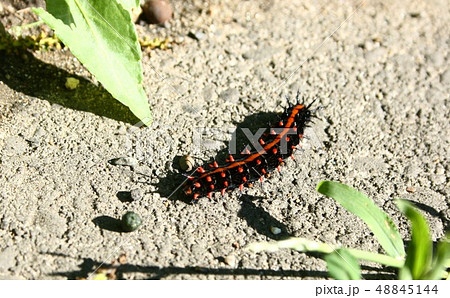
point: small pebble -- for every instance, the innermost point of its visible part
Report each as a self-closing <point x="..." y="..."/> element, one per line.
<point x="187" y="163"/>
<point x="230" y="260"/>
<point x="131" y="221"/>
<point x="440" y="170"/>
<point x="157" y="11"/>
<point x="136" y="194"/>
<point x="411" y="189"/>
<point x="123" y="161"/>
<point x="275" y="230"/>
<point x="72" y="83"/>
<point x="122" y="130"/>
<point x="33" y="142"/>
<point x="198" y="35"/>
<point x="179" y="39"/>
<point x="122" y="259"/>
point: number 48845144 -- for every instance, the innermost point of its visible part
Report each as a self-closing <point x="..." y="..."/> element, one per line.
<point x="407" y="289"/>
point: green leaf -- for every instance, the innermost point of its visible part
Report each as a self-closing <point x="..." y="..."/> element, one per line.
<point x="363" y="207"/>
<point x="420" y="249"/>
<point x="129" y="4"/>
<point x="343" y="265"/>
<point x="298" y="244"/>
<point x="305" y="245"/>
<point x="101" y="35"/>
<point x="440" y="260"/>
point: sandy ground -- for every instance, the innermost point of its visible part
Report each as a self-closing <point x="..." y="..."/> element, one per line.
<point x="382" y="78"/>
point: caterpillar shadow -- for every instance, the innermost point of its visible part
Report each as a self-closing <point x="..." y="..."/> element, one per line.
<point x="170" y="186"/>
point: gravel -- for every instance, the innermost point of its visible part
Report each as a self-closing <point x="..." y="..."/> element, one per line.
<point x="382" y="80"/>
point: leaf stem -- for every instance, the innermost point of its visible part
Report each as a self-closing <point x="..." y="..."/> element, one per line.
<point x="375" y="257"/>
<point x="305" y="245"/>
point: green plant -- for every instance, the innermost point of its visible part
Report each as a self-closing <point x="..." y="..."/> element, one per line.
<point x="102" y="36"/>
<point x="13" y="44"/>
<point x="418" y="263"/>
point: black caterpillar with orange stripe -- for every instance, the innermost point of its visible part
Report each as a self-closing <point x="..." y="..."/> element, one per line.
<point x="276" y="144"/>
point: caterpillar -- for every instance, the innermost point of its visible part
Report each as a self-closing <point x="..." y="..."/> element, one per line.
<point x="277" y="143"/>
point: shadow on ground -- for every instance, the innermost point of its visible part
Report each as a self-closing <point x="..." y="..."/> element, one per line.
<point x="27" y="74"/>
<point x="260" y="220"/>
<point x="433" y="212"/>
<point x="169" y="186"/>
<point x="88" y="266"/>
<point x="108" y="223"/>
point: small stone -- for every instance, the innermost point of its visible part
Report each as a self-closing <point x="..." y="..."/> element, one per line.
<point x="179" y="39"/>
<point x="72" y="83"/>
<point x="275" y="230"/>
<point x="230" y="260"/>
<point x="236" y="245"/>
<point x="157" y="11"/>
<point x="122" y="259"/>
<point x="187" y="163"/>
<point x="123" y="161"/>
<point x="411" y="189"/>
<point x="131" y="221"/>
<point x="122" y="130"/>
<point x="136" y="194"/>
<point x="34" y="142"/>
<point x="440" y="170"/>
<point x="198" y="35"/>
